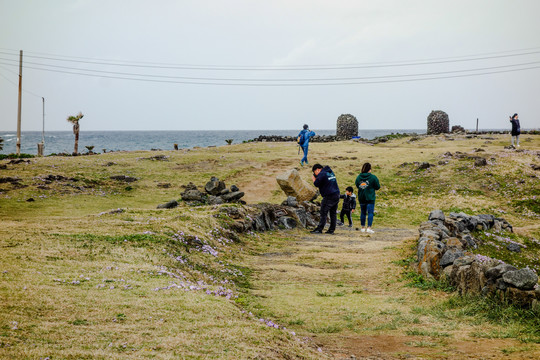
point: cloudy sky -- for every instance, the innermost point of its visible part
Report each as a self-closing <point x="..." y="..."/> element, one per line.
<point x="246" y="64"/>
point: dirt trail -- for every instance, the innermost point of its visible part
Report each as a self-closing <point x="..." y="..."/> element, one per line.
<point x="343" y="291"/>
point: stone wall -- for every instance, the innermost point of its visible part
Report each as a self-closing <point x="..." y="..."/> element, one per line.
<point x="444" y="251"/>
<point x="347" y="126"/>
<point x="437" y="122"/>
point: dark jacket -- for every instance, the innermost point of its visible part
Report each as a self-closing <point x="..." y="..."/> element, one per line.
<point x="305" y="135"/>
<point x="349" y="202"/>
<point x="326" y="182"/>
<point x="516" y="130"/>
<point x="367" y="183"/>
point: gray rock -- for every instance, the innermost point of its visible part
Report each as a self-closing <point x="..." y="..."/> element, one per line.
<point x="480" y="162"/>
<point x="436" y="215"/>
<point x="513" y="247"/>
<point x="463" y="261"/>
<point x="233" y="196"/>
<point x="497" y="271"/>
<point x="192" y="195"/>
<point x="287" y="222"/>
<point x="224" y="191"/>
<point x="470" y="241"/>
<point x="291" y="201"/>
<point x="501" y="284"/>
<point x="450" y="256"/>
<point x="214" y="186"/>
<point x="524" y="279"/>
<point x="234" y="188"/>
<point x="169" y="205"/>
<point x="124" y="178"/>
<point x="214" y="200"/>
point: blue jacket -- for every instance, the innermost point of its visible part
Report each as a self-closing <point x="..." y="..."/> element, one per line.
<point x="305" y="136"/>
<point x="326" y="182"/>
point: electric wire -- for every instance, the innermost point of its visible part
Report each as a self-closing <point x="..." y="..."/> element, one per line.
<point x="485" y="56"/>
<point x="294" y="84"/>
<point x="272" y="80"/>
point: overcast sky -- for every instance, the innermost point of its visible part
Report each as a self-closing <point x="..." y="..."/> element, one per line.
<point x="192" y="61"/>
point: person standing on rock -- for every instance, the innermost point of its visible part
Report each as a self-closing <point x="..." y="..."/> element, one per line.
<point x="516" y="129"/>
<point x="325" y="180"/>
<point x="303" y="142"/>
<point x="367" y="184"/>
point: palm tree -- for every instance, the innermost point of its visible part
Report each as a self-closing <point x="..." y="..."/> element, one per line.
<point x="1" y="144"/>
<point x="75" y="121"/>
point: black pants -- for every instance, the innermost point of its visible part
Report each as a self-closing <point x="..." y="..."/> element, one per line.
<point x="342" y="215"/>
<point x="329" y="204"/>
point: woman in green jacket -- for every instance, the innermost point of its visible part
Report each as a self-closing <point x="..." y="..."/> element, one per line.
<point x="367" y="183"/>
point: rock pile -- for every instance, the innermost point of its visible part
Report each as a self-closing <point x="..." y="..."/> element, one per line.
<point x="347" y="126"/>
<point x="263" y="217"/>
<point x="293" y="185"/>
<point x="215" y="193"/>
<point x="458" y="129"/>
<point x="437" y="122"/>
<point x="442" y="251"/>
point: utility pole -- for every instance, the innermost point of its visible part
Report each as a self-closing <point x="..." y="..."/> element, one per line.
<point x="19" y="107"/>
<point x="41" y="145"/>
<point x="476" y="124"/>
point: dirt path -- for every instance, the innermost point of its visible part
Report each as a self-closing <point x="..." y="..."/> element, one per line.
<point x="343" y="291"/>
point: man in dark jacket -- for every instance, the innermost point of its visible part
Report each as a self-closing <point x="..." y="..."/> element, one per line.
<point x="325" y="180"/>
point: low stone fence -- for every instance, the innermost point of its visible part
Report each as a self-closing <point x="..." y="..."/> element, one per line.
<point x="444" y="248"/>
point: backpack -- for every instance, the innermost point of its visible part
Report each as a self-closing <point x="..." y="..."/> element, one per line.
<point x="300" y="139"/>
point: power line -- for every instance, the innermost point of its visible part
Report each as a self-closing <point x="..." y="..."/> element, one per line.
<point x="295" y="84"/>
<point x="485" y="56"/>
<point x="270" y="80"/>
<point x="26" y="91"/>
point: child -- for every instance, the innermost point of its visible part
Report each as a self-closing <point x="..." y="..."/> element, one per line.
<point x="349" y="204"/>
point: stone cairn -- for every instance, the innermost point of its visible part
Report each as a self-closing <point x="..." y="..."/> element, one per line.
<point x="442" y="251"/>
<point x="290" y="214"/>
<point x="347" y="126"/>
<point x="437" y="123"/>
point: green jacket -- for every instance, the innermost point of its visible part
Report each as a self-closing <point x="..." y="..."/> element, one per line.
<point x="367" y="183"/>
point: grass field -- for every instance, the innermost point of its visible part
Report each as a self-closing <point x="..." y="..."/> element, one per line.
<point x="91" y="269"/>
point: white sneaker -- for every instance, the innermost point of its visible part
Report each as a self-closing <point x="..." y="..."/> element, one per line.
<point x="369" y="231"/>
<point x="362" y="230"/>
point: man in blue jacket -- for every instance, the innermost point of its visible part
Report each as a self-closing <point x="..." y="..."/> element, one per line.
<point x="325" y="180"/>
<point x="303" y="142"/>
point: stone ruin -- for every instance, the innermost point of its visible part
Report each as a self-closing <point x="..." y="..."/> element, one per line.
<point x="347" y="126"/>
<point x="437" y="123"/>
<point x="444" y="248"/>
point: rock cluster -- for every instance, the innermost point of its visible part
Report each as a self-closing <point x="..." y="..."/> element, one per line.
<point x="458" y="129"/>
<point x="442" y="251"/>
<point x="347" y="126"/>
<point x="437" y="122"/>
<point x="292" y="184"/>
<point x="263" y="217"/>
<point x="316" y="138"/>
<point x="215" y="193"/>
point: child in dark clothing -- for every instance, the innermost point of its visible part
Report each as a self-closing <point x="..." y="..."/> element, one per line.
<point x="349" y="204"/>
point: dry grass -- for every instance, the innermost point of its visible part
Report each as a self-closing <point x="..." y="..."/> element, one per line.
<point x="73" y="288"/>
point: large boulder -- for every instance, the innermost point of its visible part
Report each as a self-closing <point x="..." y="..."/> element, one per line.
<point x="523" y="279"/>
<point x="293" y="185"/>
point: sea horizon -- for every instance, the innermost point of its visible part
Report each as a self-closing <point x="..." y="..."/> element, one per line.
<point x="62" y="141"/>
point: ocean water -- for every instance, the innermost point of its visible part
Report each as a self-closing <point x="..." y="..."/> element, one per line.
<point x="63" y="141"/>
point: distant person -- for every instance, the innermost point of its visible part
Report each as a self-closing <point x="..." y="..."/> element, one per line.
<point x="516" y="129"/>
<point x="348" y="207"/>
<point x="303" y="142"/>
<point x="367" y="184"/>
<point x="325" y="180"/>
